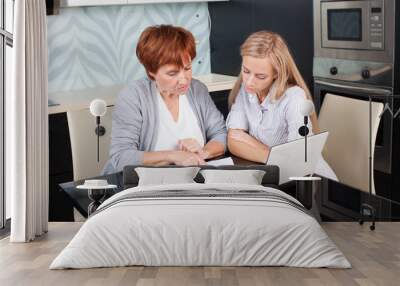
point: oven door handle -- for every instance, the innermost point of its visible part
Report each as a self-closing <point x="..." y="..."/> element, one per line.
<point x="368" y="90"/>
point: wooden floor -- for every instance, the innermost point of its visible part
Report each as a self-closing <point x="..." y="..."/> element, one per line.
<point x="375" y="257"/>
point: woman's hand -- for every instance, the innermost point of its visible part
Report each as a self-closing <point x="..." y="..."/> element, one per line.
<point x="186" y="158"/>
<point x="192" y="145"/>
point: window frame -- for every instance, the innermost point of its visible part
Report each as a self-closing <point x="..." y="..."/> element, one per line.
<point x="6" y="39"/>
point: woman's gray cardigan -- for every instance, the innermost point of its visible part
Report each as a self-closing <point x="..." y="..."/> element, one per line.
<point x="135" y="122"/>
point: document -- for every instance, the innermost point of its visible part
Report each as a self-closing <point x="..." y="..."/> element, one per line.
<point x="220" y="162"/>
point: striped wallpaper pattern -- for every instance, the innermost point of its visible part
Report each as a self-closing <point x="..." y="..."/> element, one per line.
<point x="95" y="46"/>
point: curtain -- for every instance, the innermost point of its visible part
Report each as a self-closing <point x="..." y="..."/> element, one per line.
<point x="27" y="124"/>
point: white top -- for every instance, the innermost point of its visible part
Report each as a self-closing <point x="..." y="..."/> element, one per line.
<point x="271" y="122"/>
<point x="169" y="131"/>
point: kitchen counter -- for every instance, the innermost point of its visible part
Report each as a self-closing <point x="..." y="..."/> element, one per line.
<point x="80" y="99"/>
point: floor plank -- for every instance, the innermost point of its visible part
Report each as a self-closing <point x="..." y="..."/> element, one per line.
<point x="375" y="257"/>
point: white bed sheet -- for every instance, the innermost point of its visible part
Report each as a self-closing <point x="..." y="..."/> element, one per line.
<point x="200" y="231"/>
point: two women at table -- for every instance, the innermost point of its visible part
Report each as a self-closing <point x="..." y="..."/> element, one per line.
<point x="170" y="118"/>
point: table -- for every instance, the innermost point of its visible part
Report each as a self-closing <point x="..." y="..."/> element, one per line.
<point x="97" y="195"/>
<point x="81" y="200"/>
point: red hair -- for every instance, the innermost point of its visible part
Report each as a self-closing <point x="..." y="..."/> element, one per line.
<point x="164" y="44"/>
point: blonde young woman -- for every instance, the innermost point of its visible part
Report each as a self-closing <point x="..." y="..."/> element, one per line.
<point x="265" y="101"/>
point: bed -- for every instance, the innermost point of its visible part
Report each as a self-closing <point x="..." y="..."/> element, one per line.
<point x="201" y="224"/>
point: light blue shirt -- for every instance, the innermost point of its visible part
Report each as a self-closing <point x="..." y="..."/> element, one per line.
<point x="271" y="122"/>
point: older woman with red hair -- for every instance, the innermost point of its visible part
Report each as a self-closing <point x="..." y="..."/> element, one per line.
<point x="167" y="117"/>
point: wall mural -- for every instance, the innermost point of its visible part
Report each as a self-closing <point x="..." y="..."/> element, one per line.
<point x="95" y="46"/>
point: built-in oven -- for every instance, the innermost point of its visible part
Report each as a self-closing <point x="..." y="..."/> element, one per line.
<point x="339" y="201"/>
<point x="356" y="54"/>
<point x="383" y="144"/>
<point x="347" y="63"/>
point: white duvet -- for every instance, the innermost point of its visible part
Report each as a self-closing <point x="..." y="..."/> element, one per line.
<point x="188" y="230"/>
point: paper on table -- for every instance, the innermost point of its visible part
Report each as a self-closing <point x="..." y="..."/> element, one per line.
<point x="220" y="162"/>
<point x="323" y="169"/>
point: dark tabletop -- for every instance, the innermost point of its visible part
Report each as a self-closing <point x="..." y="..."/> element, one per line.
<point x="79" y="197"/>
<point x="81" y="201"/>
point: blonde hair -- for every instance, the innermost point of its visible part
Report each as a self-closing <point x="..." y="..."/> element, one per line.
<point x="268" y="44"/>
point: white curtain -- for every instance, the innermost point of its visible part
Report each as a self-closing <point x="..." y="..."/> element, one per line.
<point x="27" y="124"/>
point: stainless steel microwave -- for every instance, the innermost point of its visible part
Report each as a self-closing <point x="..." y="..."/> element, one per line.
<point x="361" y="30"/>
<point x="353" y="24"/>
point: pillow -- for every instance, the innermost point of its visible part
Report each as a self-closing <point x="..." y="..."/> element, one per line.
<point x="248" y="177"/>
<point x="130" y="178"/>
<point x="163" y="176"/>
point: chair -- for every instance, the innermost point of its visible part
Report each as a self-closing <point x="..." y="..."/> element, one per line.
<point x="347" y="147"/>
<point x="82" y="127"/>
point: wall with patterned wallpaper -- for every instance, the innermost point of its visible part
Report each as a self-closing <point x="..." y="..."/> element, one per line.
<point x="95" y="46"/>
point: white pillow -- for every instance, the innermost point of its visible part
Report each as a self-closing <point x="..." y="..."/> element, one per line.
<point x="163" y="176"/>
<point x="248" y="177"/>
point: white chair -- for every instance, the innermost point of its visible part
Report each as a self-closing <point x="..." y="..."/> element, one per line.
<point x="82" y="127"/>
<point x="347" y="147"/>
